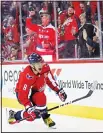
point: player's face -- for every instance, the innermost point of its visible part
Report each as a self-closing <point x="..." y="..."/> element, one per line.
<point x="38" y="66"/>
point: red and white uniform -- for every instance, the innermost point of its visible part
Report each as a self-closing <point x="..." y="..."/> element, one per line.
<point x="29" y="81"/>
<point x="46" y="40"/>
<point x="46" y="35"/>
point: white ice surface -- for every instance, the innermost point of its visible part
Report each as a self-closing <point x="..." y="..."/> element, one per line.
<point x="63" y="124"/>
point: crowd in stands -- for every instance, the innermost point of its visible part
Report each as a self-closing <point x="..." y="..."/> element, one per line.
<point x="70" y="32"/>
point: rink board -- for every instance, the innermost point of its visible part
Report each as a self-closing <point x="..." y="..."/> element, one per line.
<point x="76" y="79"/>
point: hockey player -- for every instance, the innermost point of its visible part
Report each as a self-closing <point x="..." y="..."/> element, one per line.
<point x="34" y="79"/>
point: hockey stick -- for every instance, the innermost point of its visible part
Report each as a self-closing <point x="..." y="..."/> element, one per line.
<point x="70" y="102"/>
<point x="73" y="101"/>
<point x="78" y="99"/>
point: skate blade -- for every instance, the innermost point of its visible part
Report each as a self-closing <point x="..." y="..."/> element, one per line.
<point x="14" y="122"/>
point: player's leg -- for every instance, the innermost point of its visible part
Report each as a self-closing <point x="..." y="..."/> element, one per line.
<point x="14" y="116"/>
<point x="39" y="99"/>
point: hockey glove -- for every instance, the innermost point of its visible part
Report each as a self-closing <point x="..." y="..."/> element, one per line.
<point x="31" y="113"/>
<point x="62" y="95"/>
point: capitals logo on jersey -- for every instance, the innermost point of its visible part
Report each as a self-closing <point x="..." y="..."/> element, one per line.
<point x="28" y="76"/>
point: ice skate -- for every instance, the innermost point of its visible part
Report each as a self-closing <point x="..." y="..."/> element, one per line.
<point x="49" y="122"/>
<point x="11" y="118"/>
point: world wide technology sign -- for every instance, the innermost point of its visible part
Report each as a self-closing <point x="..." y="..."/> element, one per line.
<point x="76" y="79"/>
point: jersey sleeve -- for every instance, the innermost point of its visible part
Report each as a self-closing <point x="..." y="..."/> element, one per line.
<point x="51" y="82"/>
<point x="24" y="89"/>
<point x="31" y="25"/>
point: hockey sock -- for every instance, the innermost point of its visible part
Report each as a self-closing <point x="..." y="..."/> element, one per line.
<point x="18" y="115"/>
<point x="44" y="113"/>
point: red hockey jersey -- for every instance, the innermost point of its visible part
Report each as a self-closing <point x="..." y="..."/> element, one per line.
<point x="71" y="24"/>
<point x="28" y="81"/>
<point x="46" y="39"/>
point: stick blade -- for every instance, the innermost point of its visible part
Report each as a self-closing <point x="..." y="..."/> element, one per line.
<point x="93" y="87"/>
<point x="89" y="93"/>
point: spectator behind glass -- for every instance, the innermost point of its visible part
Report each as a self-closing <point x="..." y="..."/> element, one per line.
<point x="34" y="15"/>
<point x="61" y="44"/>
<point x="86" y="41"/>
<point x="11" y="31"/>
<point x="83" y="50"/>
<point x="15" y="53"/>
<point x="70" y="27"/>
<point x="30" y="42"/>
<point x="44" y="6"/>
<point x="45" y="35"/>
<point x="82" y="7"/>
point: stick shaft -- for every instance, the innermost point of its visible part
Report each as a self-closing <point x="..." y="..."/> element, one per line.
<point x="73" y="101"/>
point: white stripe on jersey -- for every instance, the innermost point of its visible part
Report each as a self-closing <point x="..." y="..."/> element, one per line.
<point x="52" y="80"/>
<point x="22" y="114"/>
<point x="40" y="108"/>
